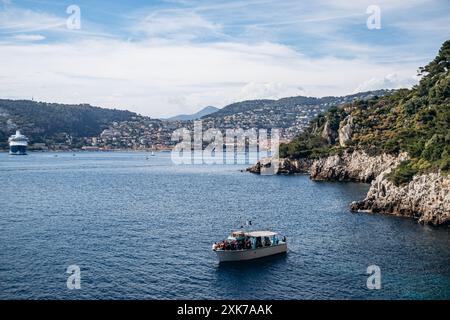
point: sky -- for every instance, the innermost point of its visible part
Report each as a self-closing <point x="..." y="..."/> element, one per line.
<point x="162" y="58"/>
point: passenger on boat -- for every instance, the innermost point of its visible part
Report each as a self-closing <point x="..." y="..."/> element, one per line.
<point x="258" y="242"/>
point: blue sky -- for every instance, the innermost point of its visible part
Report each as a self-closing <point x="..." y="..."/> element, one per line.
<point x="162" y="58"/>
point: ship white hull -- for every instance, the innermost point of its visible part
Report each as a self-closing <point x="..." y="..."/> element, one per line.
<point x="18" y="144"/>
<point x="242" y="255"/>
<point x="18" y="150"/>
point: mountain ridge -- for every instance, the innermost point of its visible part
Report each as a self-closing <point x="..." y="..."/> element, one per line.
<point x="194" y="116"/>
<point x="250" y="105"/>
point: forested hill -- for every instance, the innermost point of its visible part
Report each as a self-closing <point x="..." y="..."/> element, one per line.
<point x="290" y="104"/>
<point x="416" y="121"/>
<point x="40" y="120"/>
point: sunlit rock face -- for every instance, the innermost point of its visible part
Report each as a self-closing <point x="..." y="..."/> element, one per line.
<point x="426" y="198"/>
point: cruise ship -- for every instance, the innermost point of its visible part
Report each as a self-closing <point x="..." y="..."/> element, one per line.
<point x="18" y="144"/>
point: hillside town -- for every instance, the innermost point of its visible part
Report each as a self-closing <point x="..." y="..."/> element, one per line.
<point x="144" y="133"/>
<point x="113" y="129"/>
<point x="291" y="115"/>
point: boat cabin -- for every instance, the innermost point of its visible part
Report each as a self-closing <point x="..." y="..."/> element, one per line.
<point x="240" y="240"/>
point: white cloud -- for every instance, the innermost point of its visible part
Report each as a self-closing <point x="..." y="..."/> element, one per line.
<point x="350" y="6"/>
<point x="175" y="24"/>
<point x="14" y="20"/>
<point x="143" y="76"/>
<point x="29" y="37"/>
<point x="390" y="81"/>
<point x="269" y="90"/>
<point x="18" y="21"/>
<point x="165" y="70"/>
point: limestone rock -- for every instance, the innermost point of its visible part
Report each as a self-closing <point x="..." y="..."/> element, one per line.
<point x="355" y="166"/>
<point x="345" y="131"/>
<point x="328" y="133"/>
<point x="426" y="198"/>
<point x="286" y="166"/>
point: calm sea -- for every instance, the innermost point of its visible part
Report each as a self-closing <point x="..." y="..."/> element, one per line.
<point x="142" y="228"/>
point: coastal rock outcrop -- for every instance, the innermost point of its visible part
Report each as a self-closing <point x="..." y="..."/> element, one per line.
<point x="352" y="166"/>
<point x="286" y="166"/>
<point x="361" y="141"/>
<point x="426" y="198"/>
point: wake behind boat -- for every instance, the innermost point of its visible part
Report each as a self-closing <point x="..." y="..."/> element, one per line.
<point x="242" y="245"/>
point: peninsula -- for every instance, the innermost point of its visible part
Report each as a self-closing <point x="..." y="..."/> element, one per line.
<point x="399" y="143"/>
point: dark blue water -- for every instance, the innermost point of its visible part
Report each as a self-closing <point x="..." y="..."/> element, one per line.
<point x="143" y="229"/>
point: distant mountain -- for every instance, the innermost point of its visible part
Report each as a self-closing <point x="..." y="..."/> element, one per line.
<point x="188" y="117"/>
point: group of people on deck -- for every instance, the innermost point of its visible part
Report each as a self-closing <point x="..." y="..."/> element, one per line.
<point x="246" y="243"/>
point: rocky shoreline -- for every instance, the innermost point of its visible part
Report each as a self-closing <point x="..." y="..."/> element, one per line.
<point x="426" y="198"/>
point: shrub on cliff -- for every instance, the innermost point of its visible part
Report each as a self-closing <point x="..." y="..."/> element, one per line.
<point x="404" y="172"/>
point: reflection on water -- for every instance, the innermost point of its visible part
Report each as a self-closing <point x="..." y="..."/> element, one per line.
<point x="239" y="277"/>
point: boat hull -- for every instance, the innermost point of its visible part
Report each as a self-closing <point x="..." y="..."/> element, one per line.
<point x="243" y="255"/>
<point x="18" y="150"/>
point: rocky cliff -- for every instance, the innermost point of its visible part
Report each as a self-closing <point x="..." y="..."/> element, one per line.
<point x="354" y="166"/>
<point x="426" y="197"/>
<point x="286" y="166"/>
<point x="400" y="142"/>
<point x="350" y="166"/>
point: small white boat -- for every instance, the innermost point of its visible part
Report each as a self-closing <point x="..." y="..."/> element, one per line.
<point x="242" y="245"/>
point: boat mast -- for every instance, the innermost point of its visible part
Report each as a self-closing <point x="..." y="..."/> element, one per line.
<point x="246" y="223"/>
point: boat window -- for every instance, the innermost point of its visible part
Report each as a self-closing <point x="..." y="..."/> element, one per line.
<point x="258" y="242"/>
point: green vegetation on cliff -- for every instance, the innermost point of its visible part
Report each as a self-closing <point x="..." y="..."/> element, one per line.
<point x="416" y="121"/>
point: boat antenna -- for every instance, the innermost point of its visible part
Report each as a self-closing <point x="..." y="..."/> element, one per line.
<point x="246" y="223"/>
